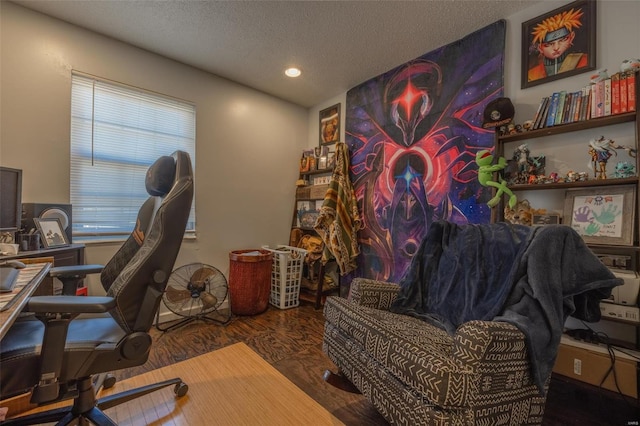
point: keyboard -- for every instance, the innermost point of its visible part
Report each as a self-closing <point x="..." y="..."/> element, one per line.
<point x="8" y="279"/>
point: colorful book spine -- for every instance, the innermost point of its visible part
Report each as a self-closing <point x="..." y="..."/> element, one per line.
<point x="598" y="111"/>
<point x="631" y="91"/>
<point x="578" y="106"/>
<point x="553" y="109"/>
<point x="585" y="98"/>
<point x="542" y="119"/>
<point x="607" y="97"/>
<point x="624" y="97"/>
<point x="538" y="111"/>
<point x="589" y="103"/>
<point x="594" y="100"/>
<point x="567" y="108"/>
<point x="615" y="94"/>
<point x="560" y="109"/>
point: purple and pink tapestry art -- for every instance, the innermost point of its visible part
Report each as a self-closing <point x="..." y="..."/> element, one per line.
<point x="413" y="134"/>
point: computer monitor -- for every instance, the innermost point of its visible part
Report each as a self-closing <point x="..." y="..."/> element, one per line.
<point x="10" y="199"/>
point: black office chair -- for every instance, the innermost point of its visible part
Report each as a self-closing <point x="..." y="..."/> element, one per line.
<point x="75" y="338"/>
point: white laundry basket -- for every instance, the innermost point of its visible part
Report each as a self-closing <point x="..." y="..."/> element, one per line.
<point x="286" y="273"/>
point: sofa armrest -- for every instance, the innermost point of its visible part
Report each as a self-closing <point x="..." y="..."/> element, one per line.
<point x="478" y="343"/>
<point x="495" y="351"/>
<point x="373" y="293"/>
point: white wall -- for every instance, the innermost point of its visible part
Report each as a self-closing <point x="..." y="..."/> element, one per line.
<point x="248" y="143"/>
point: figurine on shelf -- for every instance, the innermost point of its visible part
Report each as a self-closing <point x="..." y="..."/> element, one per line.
<point x="521" y="156"/>
<point x="484" y="160"/>
<point x="598" y="76"/>
<point x="630" y="65"/>
<point x="571" y="176"/>
<point x="601" y="150"/>
<point x="624" y="169"/>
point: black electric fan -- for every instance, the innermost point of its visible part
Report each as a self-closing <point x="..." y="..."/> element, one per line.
<point x="196" y="292"/>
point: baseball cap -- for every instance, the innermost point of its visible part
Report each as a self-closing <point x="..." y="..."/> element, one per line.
<point x="498" y="112"/>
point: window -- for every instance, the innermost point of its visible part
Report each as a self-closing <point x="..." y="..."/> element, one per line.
<point x="117" y="132"/>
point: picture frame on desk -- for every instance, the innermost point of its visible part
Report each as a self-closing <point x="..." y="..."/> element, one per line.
<point x="51" y="233"/>
<point x="572" y="28"/>
<point x="603" y="215"/>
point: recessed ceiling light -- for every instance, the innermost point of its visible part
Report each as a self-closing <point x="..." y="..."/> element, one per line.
<point x="292" y="72"/>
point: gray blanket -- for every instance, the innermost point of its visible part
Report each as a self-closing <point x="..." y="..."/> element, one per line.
<point x="532" y="277"/>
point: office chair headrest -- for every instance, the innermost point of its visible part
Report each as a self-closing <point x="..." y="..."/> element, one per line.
<point x="160" y="176"/>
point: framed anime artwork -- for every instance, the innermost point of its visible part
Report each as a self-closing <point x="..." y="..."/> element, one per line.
<point x="559" y="44"/>
<point x="330" y="125"/>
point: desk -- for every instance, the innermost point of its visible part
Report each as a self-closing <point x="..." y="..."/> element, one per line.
<point x="70" y="255"/>
<point x="28" y="281"/>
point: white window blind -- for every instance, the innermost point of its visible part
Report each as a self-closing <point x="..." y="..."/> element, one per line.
<point x="117" y="132"/>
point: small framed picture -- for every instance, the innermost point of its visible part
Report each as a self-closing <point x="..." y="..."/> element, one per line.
<point x="602" y="215"/>
<point x="322" y="163"/>
<point x="331" y="160"/>
<point x="51" y="232"/>
<point x="330" y="125"/>
<point x="545" y="219"/>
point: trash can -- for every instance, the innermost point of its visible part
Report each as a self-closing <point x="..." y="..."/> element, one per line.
<point x="249" y="281"/>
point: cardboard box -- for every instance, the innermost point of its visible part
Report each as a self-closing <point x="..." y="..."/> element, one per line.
<point x="590" y="367"/>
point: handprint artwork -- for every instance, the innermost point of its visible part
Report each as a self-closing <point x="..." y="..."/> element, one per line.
<point x="598" y="215"/>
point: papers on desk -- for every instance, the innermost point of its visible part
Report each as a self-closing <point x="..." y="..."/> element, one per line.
<point x="25" y="276"/>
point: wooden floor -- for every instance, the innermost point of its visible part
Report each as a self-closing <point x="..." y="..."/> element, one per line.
<point x="291" y="341"/>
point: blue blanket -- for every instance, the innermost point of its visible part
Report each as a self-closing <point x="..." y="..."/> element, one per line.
<point x="532" y="277"/>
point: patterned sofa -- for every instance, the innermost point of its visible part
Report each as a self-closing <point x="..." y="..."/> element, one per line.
<point x="417" y="374"/>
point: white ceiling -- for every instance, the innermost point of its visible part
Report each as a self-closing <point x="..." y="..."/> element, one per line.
<point x="336" y="44"/>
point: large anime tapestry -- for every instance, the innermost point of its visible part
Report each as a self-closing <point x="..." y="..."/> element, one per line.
<point x="413" y="134"/>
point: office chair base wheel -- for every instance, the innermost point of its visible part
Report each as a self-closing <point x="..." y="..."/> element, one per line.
<point x="181" y="389"/>
<point x="109" y="381"/>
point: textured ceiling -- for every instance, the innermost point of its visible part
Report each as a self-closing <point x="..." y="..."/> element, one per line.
<point x="336" y="44"/>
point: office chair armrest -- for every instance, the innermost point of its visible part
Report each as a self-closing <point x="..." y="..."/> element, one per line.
<point x="75" y="270"/>
<point x="70" y="304"/>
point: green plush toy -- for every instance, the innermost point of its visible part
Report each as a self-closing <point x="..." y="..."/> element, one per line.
<point x="484" y="160"/>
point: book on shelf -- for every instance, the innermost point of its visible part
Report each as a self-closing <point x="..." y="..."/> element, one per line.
<point x="560" y="109"/>
<point x="607" y="97"/>
<point x="587" y="115"/>
<point x="594" y="93"/>
<point x="542" y="118"/>
<point x="584" y="99"/>
<point x="624" y="90"/>
<point x="611" y="96"/>
<point x="615" y="94"/>
<point x="597" y="106"/>
<point x="553" y="109"/>
<point x="631" y="91"/>
<point x="577" y="106"/>
<point x="567" y="108"/>
<point x="538" y="111"/>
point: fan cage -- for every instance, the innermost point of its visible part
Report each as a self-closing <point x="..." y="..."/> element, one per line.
<point x="190" y="303"/>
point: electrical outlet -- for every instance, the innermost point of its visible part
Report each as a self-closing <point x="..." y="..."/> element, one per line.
<point x="577" y="366"/>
